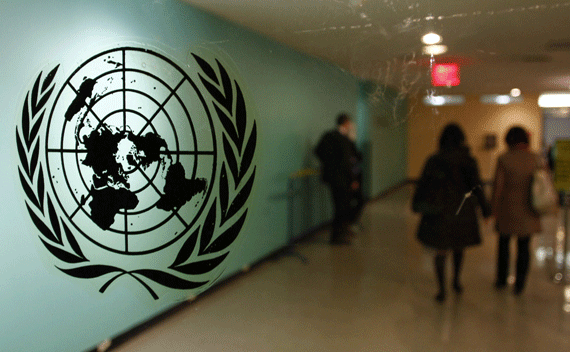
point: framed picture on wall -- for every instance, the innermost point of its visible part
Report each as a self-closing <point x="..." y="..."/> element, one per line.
<point x="490" y="141"/>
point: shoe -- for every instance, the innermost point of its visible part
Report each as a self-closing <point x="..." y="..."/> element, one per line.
<point x="500" y="285"/>
<point x="440" y="297"/>
<point x="457" y="288"/>
<point x="355" y="229"/>
<point x="518" y="290"/>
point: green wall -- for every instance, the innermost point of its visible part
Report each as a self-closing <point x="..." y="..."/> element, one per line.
<point x="383" y="112"/>
<point x="295" y="99"/>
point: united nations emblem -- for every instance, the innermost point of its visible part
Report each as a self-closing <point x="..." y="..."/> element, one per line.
<point x="135" y="167"/>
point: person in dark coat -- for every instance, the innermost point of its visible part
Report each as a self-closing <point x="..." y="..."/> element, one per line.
<point x="341" y="170"/>
<point x="448" y="195"/>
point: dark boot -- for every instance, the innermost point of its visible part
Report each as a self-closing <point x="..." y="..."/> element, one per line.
<point x="457" y="262"/>
<point x="440" y="273"/>
<point x="523" y="260"/>
<point x="502" y="261"/>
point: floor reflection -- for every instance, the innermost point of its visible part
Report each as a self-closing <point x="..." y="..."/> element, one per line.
<point x="377" y="295"/>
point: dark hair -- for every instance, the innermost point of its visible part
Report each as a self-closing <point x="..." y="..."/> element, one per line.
<point x="342" y="118"/>
<point x="516" y="135"/>
<point x="452" y="137"/>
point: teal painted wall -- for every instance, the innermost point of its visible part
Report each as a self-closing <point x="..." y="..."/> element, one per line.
<point x="296" y="99"/>
<point x="383" y="113"/>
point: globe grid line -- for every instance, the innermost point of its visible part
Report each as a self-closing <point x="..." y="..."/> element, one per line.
<point x="165" y="152"/>
<point x="149" y="122"/>
<point x="124" y="74"/>
<point x="59" y="240"/>
<point x="124" y="90"/>
<point x="172" y="93"/>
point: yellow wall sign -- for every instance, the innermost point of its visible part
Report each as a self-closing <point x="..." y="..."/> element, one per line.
<point x="562" y="165"/>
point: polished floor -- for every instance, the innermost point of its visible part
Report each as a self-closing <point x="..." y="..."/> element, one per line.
<point x="376" y="295"/>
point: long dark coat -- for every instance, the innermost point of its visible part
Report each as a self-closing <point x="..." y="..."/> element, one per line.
<point x="340" y="168"/>
<point x="449" y="229"/>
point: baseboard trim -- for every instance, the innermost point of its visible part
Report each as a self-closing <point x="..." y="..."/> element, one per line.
<point x="123" y="337"/>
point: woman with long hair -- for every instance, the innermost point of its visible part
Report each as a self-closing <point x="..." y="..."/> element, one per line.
<point x="448" y="194"/>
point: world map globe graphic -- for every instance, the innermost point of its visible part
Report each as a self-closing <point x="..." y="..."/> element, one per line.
<point x="131" y="150"/>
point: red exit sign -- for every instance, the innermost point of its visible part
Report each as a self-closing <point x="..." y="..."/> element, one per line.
<point x="445" y="75"/>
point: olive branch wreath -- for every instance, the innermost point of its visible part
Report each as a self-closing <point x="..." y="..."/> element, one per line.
<point x="59" y="240"/>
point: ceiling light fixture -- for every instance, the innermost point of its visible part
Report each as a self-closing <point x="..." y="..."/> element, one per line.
<point x="500" y="99"/>
<point x="431" y="38"/>
<point x="441" y="100"/>
<point x="515" y="92"/>
<point x="434" y="49"/>
<point x="554" y="100"/>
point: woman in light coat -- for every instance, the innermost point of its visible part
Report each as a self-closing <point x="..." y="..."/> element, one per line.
<point x="511" y="206"/>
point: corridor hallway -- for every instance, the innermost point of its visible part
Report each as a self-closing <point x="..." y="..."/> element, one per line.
<point x="375" y="295"/>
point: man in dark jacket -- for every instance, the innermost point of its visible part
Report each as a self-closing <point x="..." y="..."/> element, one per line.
<point x="340" y="169"/>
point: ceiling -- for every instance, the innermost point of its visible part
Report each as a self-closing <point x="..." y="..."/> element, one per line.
<point x="499" y="44"/>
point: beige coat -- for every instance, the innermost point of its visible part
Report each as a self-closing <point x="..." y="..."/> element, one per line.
<point x="511" y="198"/>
